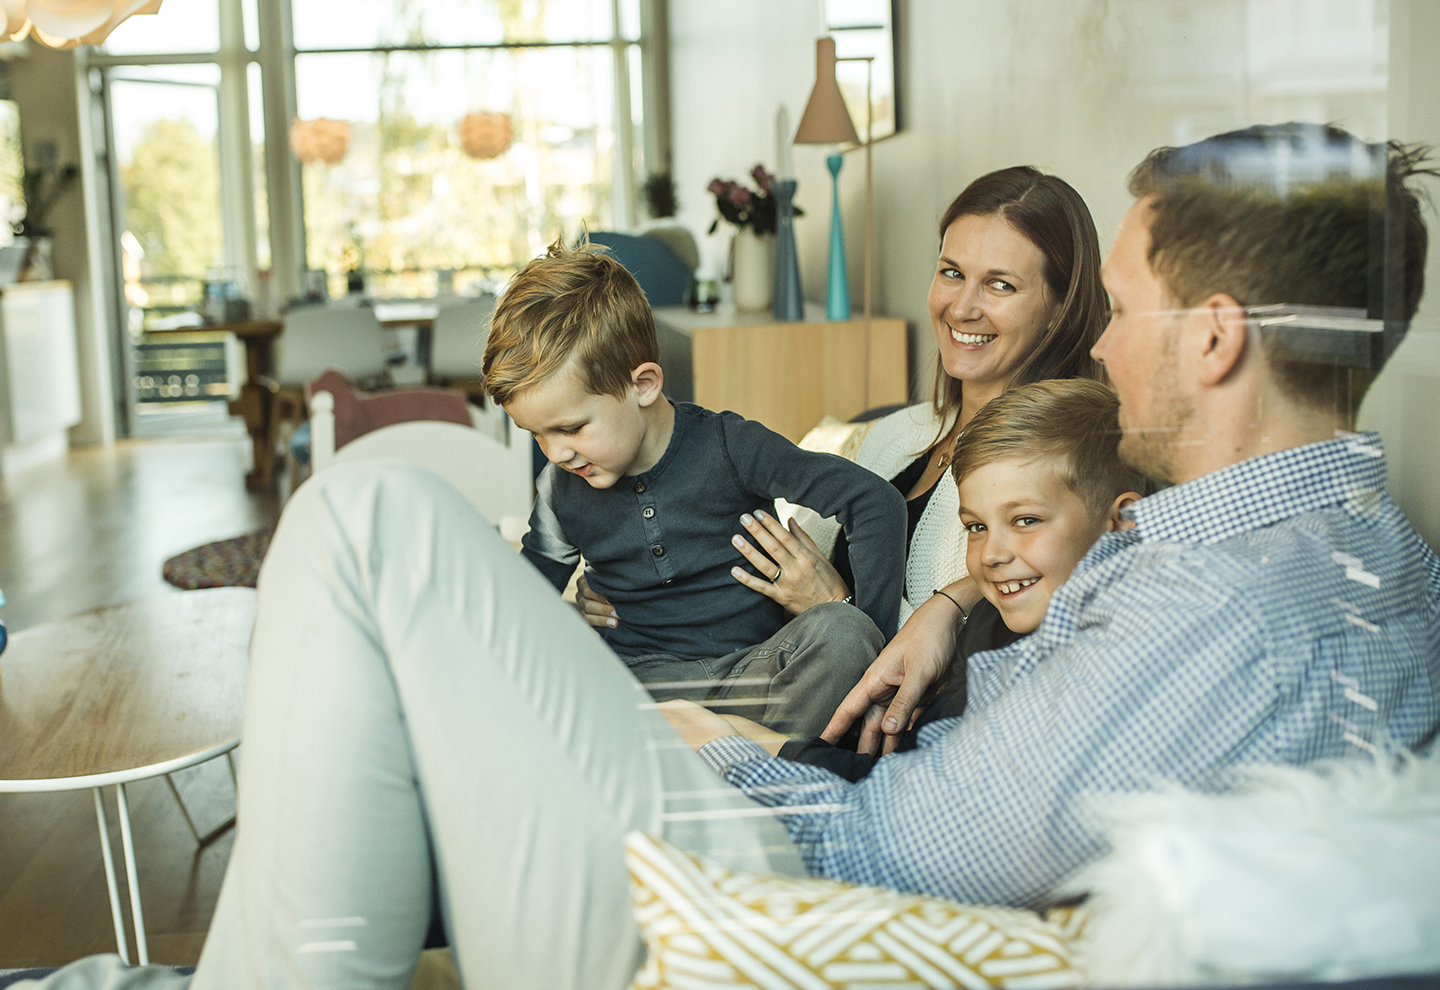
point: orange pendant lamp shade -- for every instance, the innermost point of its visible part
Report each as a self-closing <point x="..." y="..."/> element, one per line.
<point x="320" y="140"/>
<point x="486" y="135"/>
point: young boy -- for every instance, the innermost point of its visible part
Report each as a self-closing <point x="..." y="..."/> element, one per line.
<point x="651" y="493"/>
<point x="1040" y="480"/>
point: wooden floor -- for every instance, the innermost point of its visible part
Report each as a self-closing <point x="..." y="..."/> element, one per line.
<point x="94" y="530"/>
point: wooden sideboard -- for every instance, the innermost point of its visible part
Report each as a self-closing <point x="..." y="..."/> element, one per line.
<point x="787" y="375"/>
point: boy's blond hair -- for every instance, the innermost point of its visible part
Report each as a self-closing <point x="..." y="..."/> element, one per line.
<point x="1076" y="420"/>
<point x="568" y="301"/>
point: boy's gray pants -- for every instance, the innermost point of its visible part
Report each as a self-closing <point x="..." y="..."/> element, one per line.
<point x="792" y="682"/>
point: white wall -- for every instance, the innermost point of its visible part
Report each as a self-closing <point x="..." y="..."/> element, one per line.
<point x="1082" y="88"/>
<point x="53" y="101"/>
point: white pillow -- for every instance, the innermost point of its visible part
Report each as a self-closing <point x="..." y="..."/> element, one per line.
<point x="1325" y="873"/>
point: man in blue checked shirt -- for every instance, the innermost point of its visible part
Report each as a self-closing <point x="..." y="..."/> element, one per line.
<point x="1271" y="606"/>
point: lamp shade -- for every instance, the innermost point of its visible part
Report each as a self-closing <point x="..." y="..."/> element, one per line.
<point x="826" y="119"/>
<point x="486" y="135"/>
<point x="68" y="23"/>
<point x="320" y="140"/>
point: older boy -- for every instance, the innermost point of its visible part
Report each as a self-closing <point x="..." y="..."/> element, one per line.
<point x="649" y="493"/>
<point x="1040" y="481"/>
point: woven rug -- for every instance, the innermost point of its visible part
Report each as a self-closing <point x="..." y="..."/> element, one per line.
<point x="232" y="563"/>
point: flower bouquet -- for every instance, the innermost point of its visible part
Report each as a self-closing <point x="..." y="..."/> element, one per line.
<point x="744" y="207"/>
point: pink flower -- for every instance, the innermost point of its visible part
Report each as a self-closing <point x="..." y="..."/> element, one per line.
<point x="716" y="186"/>
<point x="738" y="194"/>
<point x="762" y="178"/>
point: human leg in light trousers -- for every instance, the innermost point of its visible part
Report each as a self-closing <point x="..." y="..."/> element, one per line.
<point x="417" y="691"/>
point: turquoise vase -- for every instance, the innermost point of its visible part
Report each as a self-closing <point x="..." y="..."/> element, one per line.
<point x="837" y="294"/>
<point x="789" y="303"/>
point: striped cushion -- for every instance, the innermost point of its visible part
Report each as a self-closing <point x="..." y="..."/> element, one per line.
<point x="707" y="926"/>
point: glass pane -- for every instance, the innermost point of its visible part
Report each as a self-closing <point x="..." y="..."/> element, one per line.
<point x="637" y="108"/>
<point x="407" y="201"/>
<point x="168" y="162"/>
<point x="252" y="24"/>
<point x="188" y="26"/>
<point x="320" y="24"/>
<point x="851" y="76"/>
<point x="630" y="20"/>
<point x="257" y="168"/>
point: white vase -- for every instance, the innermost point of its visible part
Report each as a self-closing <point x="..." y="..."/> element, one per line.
<point x="752" y="273"/>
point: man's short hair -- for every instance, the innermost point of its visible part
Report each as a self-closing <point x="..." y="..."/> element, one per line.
<point x="1295" y="215"/>
<point x="569" y="301"/>
<point x="1075" y="420"/>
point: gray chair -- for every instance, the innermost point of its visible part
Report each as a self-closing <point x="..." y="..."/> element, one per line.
<point x="457" y="341"/>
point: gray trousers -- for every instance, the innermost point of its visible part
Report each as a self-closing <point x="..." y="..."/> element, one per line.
<point x="421" y="703"/>
<point x="792" y="682"/>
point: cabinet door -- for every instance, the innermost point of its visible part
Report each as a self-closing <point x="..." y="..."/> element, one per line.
<point x="41" y="369"/>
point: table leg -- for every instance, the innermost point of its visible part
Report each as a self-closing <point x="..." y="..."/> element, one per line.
<point x="253" y="405"/>
<point x="109" y="857"/>
<point x="127" y="841"/>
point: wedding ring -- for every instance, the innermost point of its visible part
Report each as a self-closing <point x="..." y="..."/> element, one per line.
<point x="778" y="571"/>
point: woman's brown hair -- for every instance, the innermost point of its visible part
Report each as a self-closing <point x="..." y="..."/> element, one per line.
<point x="1051" y="215"/>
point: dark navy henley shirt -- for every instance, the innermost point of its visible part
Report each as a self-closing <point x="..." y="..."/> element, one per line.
<point x="658" y="544"/>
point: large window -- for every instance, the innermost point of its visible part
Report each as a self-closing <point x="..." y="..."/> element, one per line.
<point x="540" y="87"/>
<point x="475" y="132"/>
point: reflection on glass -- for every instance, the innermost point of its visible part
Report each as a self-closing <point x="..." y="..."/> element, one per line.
<point x="406" y="200"/>
<point x="1315" y="61"/>
<point x="380" y="23"/>
<point x="188" y="26"/>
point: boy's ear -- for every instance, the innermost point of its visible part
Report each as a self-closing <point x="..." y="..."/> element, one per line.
<point x="649" y="382"/>
<point x="1115" y="521"/>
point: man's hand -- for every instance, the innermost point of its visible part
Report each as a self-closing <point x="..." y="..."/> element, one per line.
<point x="696" y="724"/>
<point x="595" y="607"/>
<point x="917" y="659"/>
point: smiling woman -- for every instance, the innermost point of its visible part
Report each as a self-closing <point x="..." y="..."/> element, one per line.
<point x="1016" y="297"/>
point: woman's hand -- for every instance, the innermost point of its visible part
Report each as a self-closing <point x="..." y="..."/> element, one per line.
<point x="595" y="607"/>
<point x="805" y="577"/>
<point x="916" y="661"/>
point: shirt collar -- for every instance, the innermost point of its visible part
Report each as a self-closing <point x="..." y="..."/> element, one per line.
<point x="1263" y="491"/>
<point x="685" y="414"/>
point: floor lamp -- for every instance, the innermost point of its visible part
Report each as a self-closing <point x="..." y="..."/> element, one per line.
<point x="827" y="121"/>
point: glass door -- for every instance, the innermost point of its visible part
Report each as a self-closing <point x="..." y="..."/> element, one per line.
<point x="169" y="226"/>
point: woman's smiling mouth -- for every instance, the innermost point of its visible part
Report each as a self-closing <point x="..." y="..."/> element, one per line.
<point x="971" y="339"/>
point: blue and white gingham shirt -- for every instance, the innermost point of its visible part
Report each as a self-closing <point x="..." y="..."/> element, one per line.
<point x="1278" y="611"/>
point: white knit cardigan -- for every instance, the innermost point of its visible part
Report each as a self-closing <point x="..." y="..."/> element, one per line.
<point x="936" y="555"/>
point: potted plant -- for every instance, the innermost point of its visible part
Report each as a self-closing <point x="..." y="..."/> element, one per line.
<point x="43" y="184"/>
<point x="753" y="212"/>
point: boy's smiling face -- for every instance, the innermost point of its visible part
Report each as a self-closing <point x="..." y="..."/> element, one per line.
<point x="602" y="438"/>
<point x="1027" y="531"/>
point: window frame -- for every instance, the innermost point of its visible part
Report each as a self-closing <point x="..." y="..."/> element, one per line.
<point x="275" y="55"/>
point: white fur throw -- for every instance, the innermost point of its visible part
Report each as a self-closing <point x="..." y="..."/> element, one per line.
<point x="1322" y="873"/>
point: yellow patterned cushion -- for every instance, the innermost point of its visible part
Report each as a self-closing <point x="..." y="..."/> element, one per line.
<point x="706" y="926"/>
